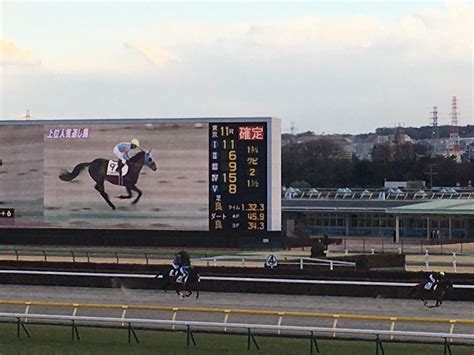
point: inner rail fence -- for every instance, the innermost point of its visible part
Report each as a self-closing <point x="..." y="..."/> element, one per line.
<point x="375" y="245"/>
<point x="365" y="330"/>
<point x="158" y="259"/>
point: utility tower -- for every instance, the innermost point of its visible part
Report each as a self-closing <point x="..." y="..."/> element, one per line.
<point x="434" y="123"/>
<point x="454" y="147"/>
<point x="27" y="115"/>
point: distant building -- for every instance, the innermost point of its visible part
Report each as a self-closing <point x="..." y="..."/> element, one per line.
<point x="363" y="151"/>
<point x="395" y="184"/>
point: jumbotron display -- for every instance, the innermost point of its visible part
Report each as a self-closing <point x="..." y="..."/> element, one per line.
<point x="213" y="175"/>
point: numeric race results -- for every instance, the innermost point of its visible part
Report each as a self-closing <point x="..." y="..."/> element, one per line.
<point x="238" y="176"/>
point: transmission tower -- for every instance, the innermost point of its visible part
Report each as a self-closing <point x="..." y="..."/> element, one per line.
<point x="434" y="123"/>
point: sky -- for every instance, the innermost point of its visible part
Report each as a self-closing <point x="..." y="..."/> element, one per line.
<point x="324" y="66"/>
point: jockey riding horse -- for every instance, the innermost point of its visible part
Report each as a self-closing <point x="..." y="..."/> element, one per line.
<point x="182" y="276"/>
<point x="180" y="266"/>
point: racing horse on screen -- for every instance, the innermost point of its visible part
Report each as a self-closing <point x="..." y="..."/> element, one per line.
<point x="99" y="170"/>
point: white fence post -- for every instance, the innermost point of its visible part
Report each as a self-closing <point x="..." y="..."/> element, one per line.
<point x="301" y="263"/>
<point x="427" y="263"/>
<point x="454" y="262"/>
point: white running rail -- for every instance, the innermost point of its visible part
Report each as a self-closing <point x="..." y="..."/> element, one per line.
<point x="226" y="278"/>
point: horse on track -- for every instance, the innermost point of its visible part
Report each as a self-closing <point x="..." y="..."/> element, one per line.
<point x="182" y="289"/>
<point x="98" y="172"/>
<point x="438" y="294"/>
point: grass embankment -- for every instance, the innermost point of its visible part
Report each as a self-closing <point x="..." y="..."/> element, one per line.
<point x="80" y="251"/>
<point x="57" y="340"/>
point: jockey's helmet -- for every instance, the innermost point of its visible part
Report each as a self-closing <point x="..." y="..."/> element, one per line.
<point x="442" y="273"/>
<point x="135" y="142"/>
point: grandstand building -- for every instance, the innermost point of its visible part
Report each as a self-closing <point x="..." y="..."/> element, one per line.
<point x="388" y="212"/>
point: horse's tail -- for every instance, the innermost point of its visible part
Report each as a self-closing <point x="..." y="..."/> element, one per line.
<point x="68" y="176"/>
<point x="198" y="285"/>
<point x="413" y="290"/>
<point x="165" y="277"/>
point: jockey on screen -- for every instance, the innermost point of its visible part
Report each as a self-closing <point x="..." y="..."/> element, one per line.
<point x="433" y="280"/>
<point x="122" y="151"/>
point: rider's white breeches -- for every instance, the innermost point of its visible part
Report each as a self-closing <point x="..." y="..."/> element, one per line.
<point x="182" y="279"/>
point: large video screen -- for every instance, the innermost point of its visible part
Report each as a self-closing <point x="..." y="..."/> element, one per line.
<point x="151" y="175"/>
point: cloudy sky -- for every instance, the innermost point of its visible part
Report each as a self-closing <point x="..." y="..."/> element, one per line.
<point x="344" y="67"/>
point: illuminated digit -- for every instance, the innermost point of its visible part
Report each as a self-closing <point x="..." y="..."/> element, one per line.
<point x="232" y="166"/>
<point x="232" y="188"/>
<point x="232" y="155"/>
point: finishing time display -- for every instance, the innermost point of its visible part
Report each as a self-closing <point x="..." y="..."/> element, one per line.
<point x="238" y="176"/>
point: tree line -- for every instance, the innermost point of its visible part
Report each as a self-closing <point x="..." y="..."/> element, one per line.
<point x="324" y="163"/>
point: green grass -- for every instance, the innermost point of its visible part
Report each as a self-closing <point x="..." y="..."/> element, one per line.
<point x="109" y="251"/>
<point x="57" y="340"/>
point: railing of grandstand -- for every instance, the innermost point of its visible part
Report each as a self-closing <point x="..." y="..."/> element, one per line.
<point x="267" y="320"/>
<point x="376" y="194"/>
